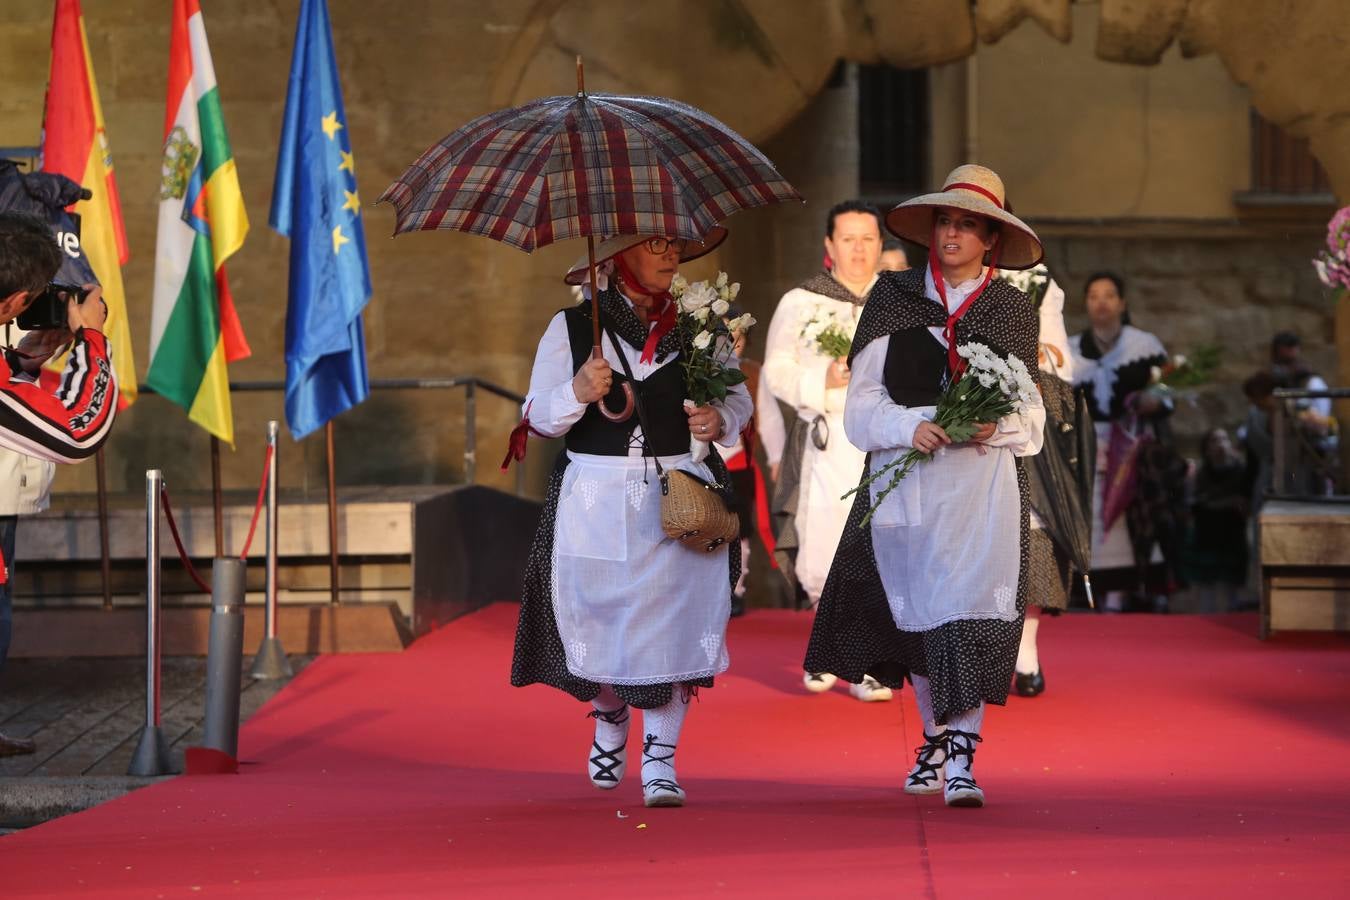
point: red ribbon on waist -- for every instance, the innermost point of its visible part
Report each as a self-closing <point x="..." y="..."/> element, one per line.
<point x="520" y="436"/>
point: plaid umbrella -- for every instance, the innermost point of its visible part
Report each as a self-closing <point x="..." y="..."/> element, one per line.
<point x="588" y="165"/>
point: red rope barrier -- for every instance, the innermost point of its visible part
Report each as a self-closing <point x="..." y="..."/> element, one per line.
<point x="262" y="495"/>
<point x="182" y="554"/>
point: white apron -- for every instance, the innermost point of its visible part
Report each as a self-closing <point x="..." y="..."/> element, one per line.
<point x="632" y="605"/>
<point x="947" y="539"/>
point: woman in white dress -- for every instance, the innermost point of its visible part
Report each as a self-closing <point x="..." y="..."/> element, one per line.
<point x="613" y="611"/>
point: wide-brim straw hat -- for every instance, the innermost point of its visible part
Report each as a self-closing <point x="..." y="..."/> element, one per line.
<point x="978" y="190"/>
<point x="612" y="247"/>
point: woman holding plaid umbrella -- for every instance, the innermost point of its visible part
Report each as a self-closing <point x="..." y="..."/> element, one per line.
<point x="615" y="612"/>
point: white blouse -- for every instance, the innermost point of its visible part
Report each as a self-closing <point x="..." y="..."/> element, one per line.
<point x="552" y="404"/>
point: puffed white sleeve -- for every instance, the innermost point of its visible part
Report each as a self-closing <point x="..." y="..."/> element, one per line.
<point x="1023" y="433"/>
<point x="736" y="410"/>
<point x="1053" y="332"/>
<point x="796" y="378"/>
<point x="551" y="404"/>
<point x="872" y="420"/>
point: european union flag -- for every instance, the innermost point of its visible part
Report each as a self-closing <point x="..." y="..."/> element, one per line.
<point x="314" y="203"/>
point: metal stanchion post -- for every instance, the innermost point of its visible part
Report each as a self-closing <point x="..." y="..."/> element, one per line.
<point x="224" y="656"/>
<point x="270" y="660"/>
<point x="152" y="753"/>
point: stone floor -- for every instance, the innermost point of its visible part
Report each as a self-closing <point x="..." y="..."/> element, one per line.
<point x="86" y="716"/>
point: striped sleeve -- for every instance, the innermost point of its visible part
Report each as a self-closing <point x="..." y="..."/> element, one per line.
<point x="70" y="425"/>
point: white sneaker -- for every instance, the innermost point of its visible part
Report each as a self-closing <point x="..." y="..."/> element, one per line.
<point x="869" y="690"/>
<point x="926" y="776"/>
<point x="959" y="787"/>
<point x="819" y="682"/>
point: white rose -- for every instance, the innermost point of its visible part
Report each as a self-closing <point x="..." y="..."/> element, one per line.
<point x="721" y="279"/>
<point x="700" y="315"/>
<point x="720" y="307"/>
<point x="1154" y="374"/>
<point x="734" y="289"/>
<point x="702" y="340"/>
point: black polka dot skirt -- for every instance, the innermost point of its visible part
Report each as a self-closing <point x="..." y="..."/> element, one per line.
<point x="1049" y="574"/>
<point x="539" y="657"/>
<point x="966" y="661"/>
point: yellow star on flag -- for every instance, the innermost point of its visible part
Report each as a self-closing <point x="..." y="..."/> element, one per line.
<point x="331" y="124"/>
<point x="348" y="162"/>
<point x="339" y="239"/>
<point x="353" y="202"/>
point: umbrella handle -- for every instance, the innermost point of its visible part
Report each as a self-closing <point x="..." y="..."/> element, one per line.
<point x="628" y="404"/>
<point x="629" y="399"/>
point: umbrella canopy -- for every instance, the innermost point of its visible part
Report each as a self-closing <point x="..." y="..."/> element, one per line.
<point x="586" y="165"/>
<point x="1062" y="474"/>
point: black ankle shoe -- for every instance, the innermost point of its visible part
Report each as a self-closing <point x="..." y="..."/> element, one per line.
<point x="1029" y="685"/>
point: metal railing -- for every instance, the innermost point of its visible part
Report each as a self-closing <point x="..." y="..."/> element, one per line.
<point x="1297" y="460"/>
<point x="470" y="383"/>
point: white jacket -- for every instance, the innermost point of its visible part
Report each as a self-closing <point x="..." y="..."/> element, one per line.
<point x="25" y="483"/>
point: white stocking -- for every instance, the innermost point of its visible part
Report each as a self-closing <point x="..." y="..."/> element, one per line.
<point x="923" y="696"/>
<point x="661" y="732"/>
<point x="610" y="735"/>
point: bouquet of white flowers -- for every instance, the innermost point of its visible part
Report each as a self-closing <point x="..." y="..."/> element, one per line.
<point x="1033" y="282"/>
<point x="987" y="388"/>
<point x="700" y="307"/>
<point x="828" y="333"/>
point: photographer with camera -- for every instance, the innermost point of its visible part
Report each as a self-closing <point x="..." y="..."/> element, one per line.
<point x="68" y="425"/>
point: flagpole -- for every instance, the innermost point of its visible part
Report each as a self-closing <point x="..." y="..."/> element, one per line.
<point x="332" y="517"/>
<point x="216" y="501"/>
<point x="105" y="558"/>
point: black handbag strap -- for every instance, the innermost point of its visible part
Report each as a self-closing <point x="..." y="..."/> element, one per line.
<point x="637" y="399"/>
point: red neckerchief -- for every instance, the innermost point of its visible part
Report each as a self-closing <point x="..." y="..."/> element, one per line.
<point x="665" y="319"/>
<point x="949" y="330"/>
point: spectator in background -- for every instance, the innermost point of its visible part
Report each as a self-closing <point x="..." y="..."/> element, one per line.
<point x="1313" y="450"/>
<point x="1139" y="500"/>
<point x="1220" y="497"/>
<point x="893" y="257"/>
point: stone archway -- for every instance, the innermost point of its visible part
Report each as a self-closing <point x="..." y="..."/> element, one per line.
<point x="760" y="62"/>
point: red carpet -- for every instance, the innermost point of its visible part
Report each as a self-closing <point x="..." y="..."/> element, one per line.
<point x="1171" y="757"/>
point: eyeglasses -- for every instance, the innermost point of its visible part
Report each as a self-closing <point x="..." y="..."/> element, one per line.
<point x="659" y="245"/>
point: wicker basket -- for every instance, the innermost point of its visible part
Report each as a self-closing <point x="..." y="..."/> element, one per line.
<point x="694" y="513"/>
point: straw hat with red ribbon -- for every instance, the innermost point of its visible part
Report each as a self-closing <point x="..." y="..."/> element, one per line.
<point x="612" y="247"/>
<point x="978" y="190"/>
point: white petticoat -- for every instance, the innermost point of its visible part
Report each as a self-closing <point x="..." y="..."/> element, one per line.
<point x="632" y="605"/>
<point x="948" y="538"/>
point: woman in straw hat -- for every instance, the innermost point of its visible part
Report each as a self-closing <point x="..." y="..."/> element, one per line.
<point x="933" y="588"/>
<point x="614" y="612"/>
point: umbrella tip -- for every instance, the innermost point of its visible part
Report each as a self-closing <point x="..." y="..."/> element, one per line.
<point x="581" y="78"/>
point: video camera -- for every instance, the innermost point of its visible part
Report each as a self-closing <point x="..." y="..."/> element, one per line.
<point x="48" y="309"/>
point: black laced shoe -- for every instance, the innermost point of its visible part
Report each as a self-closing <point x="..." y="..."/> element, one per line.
<point x="926" y="777"/>
<point x="660" y="791"/>
<point x="606" y="767"/>
<point x="959" y="787"/>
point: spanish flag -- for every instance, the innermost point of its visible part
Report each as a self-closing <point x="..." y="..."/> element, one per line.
<point x="194" y="330"/>
<point x="74" y="144"/>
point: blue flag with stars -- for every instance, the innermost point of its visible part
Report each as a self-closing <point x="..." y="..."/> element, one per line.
<point x="314" y="203"/>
